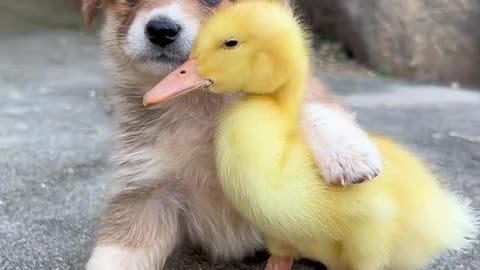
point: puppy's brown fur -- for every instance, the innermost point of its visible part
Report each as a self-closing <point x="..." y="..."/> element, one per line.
<point x="164" y="189"/>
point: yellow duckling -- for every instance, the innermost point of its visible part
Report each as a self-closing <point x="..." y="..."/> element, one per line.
<point x="400" y="221"/>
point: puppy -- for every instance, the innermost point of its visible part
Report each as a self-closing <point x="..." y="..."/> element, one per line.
<point x="164" y="189"/>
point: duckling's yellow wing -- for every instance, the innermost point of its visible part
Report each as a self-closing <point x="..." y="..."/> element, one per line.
<point x="266" y="172"/>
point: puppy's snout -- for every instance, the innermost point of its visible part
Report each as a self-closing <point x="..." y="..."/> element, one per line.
<point x="162" y="31"/>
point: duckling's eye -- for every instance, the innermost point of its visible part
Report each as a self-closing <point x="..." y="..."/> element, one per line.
<point x="231" y="44"/>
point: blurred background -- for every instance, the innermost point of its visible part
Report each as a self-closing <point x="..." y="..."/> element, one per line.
<point x="428" y="41"/>
<point x="409" y="69"/>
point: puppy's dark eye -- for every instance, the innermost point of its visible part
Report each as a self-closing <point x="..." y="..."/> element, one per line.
<point x="231" y="44"/>
<point x="212" y="3"/>
<point x="132" y="2"/>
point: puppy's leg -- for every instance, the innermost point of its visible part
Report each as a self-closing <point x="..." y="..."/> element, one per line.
<point x="341" y="148"/>
<point x="139" y="231"/>
<point x="220" y="230"/>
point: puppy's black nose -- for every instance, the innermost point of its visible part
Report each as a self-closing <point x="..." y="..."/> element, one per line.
<point x="162" y="31"/>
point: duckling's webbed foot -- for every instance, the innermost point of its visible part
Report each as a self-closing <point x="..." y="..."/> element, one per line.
<point x="342" y="150"/>
<point x="279" y="263"/>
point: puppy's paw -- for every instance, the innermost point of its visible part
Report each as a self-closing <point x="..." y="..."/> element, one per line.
<point x="342" y="150"/>
<point x="121" y="258"/>
<point x="353" y="163"/>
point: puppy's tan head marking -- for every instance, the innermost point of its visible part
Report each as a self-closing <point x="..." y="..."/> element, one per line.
<point x="150" y="36"/>
<point x="89" y="9"/>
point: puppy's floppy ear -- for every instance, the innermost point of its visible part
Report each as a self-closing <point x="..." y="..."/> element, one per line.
<point x="89" y="10"/>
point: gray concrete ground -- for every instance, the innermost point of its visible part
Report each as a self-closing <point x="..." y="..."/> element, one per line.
<point x="55" y="139"/>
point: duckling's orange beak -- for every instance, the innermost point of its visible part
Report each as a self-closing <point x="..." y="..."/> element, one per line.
<point x="182" y="80"/>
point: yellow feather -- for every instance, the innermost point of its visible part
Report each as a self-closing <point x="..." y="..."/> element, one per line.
<point x="401" y="220"/>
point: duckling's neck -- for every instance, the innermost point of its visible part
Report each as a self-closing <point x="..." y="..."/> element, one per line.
<point x="290" y="97"/>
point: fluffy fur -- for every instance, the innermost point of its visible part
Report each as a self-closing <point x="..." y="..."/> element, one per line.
<point x="165" y="189"/>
